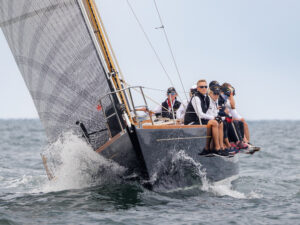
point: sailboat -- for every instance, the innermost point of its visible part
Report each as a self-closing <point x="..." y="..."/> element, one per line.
<point x="68" y="65"/>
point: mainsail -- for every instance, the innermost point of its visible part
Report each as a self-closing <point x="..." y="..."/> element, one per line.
<point x="58" y="59"/>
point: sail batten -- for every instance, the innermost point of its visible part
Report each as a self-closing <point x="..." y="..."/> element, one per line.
<point x="59" y="61"/>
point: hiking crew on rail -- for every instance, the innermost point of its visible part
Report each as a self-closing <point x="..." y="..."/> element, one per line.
<point x="214" y="107"/>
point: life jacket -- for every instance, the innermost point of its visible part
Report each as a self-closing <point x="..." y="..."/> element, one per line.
<point x="166" y="109"/>
<point x="190" y="114"/>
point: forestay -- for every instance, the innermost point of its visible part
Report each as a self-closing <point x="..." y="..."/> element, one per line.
<point x="55" y="52"/>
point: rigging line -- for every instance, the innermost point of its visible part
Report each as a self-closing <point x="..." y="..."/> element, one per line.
<point x="154" y="89"/>
<point x="151" y="99"/>
<point x="170" y="48"/>
<point x="149" y="42"/>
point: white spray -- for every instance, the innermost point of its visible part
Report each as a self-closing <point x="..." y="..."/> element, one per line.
<point x="75" y="165"/>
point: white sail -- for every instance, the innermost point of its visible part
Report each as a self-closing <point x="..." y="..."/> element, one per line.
<point x="58" y="60"/>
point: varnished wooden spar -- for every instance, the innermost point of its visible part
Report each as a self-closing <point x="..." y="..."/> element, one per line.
<point x="111" y="141"/>
<point x="95" y="21"/>
<point x="49" y="174"/>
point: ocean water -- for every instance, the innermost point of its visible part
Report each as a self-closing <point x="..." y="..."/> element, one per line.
<point x="267" y="190"/>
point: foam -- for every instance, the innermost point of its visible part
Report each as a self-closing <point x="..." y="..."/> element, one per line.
<point x="75" y="165"/>
<point x="180" y="161"/>
<point x="223" y="188"/>
<point x="176" y="172"/>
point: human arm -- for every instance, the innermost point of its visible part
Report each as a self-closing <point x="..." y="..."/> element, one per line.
<point x="180" y="112"/>
<point x="196" y="102"/>
<point x="144" y="109"/>
<point x="232" y="101"/>
<point x="158" y="109"/>
<point x="235" y="115"/>
<point x="231" y="108"/>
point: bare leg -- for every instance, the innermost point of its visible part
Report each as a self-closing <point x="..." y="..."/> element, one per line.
<point x="215" y="133"/>
<point x="246" y="130"/>
<point x="227" y="143"/>
<point x="221" y="136"/>
<point x="208" y="139"/>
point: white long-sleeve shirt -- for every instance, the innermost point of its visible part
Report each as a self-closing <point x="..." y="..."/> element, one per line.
<point x="232" y="112"/>
<point x="196" y="102"/>
<point x="213" y="108"/>
<point x="180" y="113"/>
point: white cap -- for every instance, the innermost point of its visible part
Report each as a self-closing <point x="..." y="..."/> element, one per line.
<point x="194" y="86"/>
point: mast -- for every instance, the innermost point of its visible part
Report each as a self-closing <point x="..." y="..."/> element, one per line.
<point x="95" y="21"/>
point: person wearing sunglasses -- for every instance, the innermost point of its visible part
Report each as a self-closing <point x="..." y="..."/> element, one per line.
<point x="203" y="110"/>
<point x="169" y="107"/>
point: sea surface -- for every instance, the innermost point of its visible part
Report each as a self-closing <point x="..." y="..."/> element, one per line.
<point x="267" y="190"/>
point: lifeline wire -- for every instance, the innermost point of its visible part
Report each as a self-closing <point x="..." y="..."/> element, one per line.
<point x="151" y="99"/>
<point x="170" y="48"/>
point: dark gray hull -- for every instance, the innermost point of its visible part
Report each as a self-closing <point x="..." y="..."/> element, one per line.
<point x="150" y="153"/>
<point x="160" y="144"/>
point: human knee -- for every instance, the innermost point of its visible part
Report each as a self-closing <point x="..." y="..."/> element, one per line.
<point x="213" y="123"/>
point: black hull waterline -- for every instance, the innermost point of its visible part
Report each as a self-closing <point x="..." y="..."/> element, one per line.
<point x="147" y="151"/>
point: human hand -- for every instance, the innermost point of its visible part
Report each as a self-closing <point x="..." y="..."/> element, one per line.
<point x="218" y="119"/>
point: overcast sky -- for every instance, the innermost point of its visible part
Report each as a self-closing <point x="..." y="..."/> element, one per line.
<point x="253" y="44"/>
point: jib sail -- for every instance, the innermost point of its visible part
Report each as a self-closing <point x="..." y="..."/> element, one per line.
<point x="58" y="59"/>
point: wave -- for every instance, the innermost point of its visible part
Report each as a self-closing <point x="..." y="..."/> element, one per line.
<point x="75" y="165"/>
<point x="183" y="174"/>
<point x="178" y="170"/>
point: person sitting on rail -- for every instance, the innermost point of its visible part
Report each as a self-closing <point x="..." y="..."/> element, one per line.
<point x="182" y="109"/>
<point x="203" y="109"/>
<point x="233" y="131"/>
<point x="169" y="107"/>
<point x="224" y="114"/>
<point x="226" y="118"/>
<point x="238" y="130"/>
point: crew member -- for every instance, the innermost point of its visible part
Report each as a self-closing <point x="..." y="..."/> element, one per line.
<point x="169" y="107"/>
<point x="203" y="109"/>
<point x="239" y="127"/>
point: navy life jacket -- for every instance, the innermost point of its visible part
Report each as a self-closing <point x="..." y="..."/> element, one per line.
<point x="190" y="114"/>
<point x="167" y="112"/>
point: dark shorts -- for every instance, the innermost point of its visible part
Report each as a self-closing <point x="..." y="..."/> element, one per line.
<point x="225" y="129"/>
<point x="240" y="126"/>
<point x="204" y="121"/>
<point x="235" y="131"/>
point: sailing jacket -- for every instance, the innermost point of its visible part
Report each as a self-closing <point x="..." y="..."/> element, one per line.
<point x="166" y="109"/>
<point x="197" y="108"/>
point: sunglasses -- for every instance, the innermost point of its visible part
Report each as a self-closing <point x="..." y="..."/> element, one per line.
<point x="202" y="86"/>
<point x="172" y="93"/>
